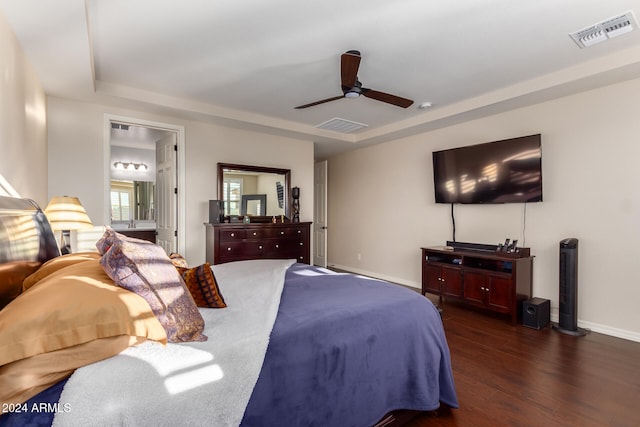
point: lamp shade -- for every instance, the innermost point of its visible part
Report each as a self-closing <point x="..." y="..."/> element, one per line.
<point x="67" y="213"/>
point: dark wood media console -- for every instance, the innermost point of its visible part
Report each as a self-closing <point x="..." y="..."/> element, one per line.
<point x="496" y="281"/>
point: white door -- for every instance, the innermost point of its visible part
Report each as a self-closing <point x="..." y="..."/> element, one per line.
<point x="320" y="215"/>
<point x="166" y="194"/>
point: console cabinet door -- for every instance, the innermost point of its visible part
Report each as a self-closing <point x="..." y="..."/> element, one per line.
<point x="432" y="282"/>
<point x="451" y="282"/>
<point x="499" y="293"/>
<point x="474" y="288"/>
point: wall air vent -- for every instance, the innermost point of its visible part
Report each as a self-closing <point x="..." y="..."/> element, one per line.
<point x="341" y="125"/>
<point x="605" y="30"/>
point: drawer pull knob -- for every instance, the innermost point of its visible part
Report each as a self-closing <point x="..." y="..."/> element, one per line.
<point x="233" y="234"/>
<point x="255" y="234"/>
<point x="260" y="247"/>
<point x="277" y="246"/>
<point x="228" y="249"/>
<point x="282" y="232"/>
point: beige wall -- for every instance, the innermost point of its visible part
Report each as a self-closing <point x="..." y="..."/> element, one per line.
<point x="76" y="140"/>
<point x="23" y="143"/>
<point x="381" y="202"/>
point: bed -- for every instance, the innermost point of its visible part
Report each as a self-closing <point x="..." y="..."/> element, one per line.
<point x="288" y="344"/>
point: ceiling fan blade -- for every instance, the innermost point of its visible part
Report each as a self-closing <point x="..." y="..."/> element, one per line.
<point x="386" y="97"/>
<point x="350" y="62"/>
<point x="319" y="102"/>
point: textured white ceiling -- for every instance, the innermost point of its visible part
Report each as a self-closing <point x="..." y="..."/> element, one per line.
<point x="252" y="61"/>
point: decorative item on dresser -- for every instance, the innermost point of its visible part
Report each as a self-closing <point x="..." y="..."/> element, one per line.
<point x="239" y="242"/>
<point x="295" y="194"/>
<point x="495" y="280"/>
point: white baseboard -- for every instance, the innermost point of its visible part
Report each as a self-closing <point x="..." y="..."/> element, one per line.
<point x="594" y="327"/>
<point x="603" y="329"/>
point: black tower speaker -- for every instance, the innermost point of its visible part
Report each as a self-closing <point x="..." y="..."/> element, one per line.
<point x="216" y="211"/>
<point x="536" y="313"/>
<point x="568" y="314"/>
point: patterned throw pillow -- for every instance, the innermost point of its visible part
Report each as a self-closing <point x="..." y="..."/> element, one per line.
<point x="201" y="282"/>
<point x="106" y="240"/>
<point x="144" y="268"/>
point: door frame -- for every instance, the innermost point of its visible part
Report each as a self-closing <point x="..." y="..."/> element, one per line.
<point x="180" y="167"/>
<point x="320" y="210"/>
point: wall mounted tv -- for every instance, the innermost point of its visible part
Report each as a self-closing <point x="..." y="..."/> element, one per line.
<point x="507" y="171"/>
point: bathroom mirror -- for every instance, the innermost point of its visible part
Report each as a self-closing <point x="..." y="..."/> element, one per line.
<point x="132" y="200"/>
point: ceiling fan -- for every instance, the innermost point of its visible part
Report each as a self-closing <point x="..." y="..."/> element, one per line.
<point x="352" y="87"/>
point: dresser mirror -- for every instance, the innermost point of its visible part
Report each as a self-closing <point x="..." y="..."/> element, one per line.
<point x="266" y="190"/>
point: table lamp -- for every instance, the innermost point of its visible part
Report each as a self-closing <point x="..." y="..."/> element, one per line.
<point x="65" y="214"/>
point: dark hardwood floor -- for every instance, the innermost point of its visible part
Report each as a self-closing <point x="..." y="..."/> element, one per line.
<point x="516" y="376"/>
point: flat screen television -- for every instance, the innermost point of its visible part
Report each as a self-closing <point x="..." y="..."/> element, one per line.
<point x="507" y="171"/>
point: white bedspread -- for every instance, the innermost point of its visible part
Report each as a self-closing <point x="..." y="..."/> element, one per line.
<point x="192" y="384"/>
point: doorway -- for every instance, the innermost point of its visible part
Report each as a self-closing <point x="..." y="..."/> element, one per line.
<point x="320" y="222"/>
<point x="150" y="158"/>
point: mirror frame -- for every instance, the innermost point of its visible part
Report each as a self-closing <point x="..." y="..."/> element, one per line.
<point x="251" y="168"/>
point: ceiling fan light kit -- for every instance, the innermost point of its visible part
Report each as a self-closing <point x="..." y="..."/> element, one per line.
<point x="352" y="87"/>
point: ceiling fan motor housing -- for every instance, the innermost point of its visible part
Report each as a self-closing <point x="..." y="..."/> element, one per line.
<point x="353" y="92"/>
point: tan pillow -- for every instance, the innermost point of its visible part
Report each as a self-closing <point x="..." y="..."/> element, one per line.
<point x="23" y="379"/>
<point x="56" y="264"/>
<point x="77" y="305"/>
<point x="11" y="276"/>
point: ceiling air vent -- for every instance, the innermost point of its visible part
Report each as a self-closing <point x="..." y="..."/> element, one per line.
<point x="605" y="30"/>
<point x="341" y="125"/>
<point x="119" y="126"/>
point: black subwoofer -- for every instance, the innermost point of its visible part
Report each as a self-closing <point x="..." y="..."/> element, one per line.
<point x="536" y="313"/>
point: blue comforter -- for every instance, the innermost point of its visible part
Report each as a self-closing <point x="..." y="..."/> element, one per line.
<point x="344" y="351"/>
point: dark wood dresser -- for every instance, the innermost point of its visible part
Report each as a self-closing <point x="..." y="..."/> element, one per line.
<point x="239" y="242"/>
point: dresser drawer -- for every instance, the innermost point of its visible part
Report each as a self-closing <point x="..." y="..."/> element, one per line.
<point x="231" y="248"/>
<point x="232" y="235"/>
<point x="292" y="232"/>
<point x="261" y="233"/>
<point x="293" y="245"/>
